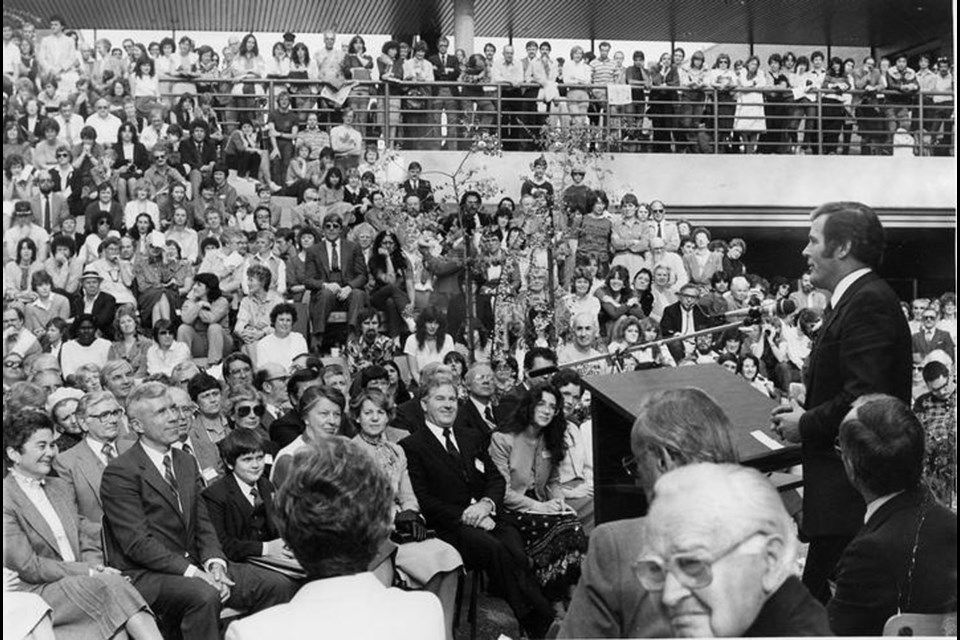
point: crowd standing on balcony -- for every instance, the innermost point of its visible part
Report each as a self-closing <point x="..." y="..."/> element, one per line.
<point x="144" y="295"/>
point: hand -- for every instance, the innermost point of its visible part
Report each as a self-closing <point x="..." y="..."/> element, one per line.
<point x="475" y="513"/>
<point x="343" y="293"/>
<point x="219" y="573"/>
<point x="332" y="287"/>
<point x="786" y="423"/>
<point x="275" y="154"/>
<point x="487" y="524"/>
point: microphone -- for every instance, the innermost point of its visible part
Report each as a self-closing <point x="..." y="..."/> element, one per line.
<point x="757" y="310"/>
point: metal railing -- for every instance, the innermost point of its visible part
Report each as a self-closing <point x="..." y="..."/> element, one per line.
<point x="660" y="119"/>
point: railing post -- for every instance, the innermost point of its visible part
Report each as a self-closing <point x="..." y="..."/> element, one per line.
<point x="386" y="115"/>
<point x="716" y="121"/>
<point x="920" y="128"/>
<point x="819" y="123"/>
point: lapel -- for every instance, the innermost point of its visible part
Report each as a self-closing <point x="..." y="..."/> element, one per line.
<point x="440" y="452"/>
<point x="67" y="512"/>
<point x="90" y="467"/>
<point x="31" y="516"/>
<point x="848" y="295"/>
<point x="153" y="478"/>
<point x="238" y="498"/>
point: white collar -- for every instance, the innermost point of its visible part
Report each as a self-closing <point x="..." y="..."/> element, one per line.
<point x="438" y="434"/>
<point x="877" y="503"/>
<point x="155" y="456"/>
<point x="845" y="283"/>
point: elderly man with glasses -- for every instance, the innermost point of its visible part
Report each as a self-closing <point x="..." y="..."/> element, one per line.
<point x="336" y="274"/>
<point x="101" y="420"/>
<point x="719" y="557"/>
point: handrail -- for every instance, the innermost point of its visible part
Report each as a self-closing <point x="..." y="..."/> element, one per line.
<point x="668" y="118"/>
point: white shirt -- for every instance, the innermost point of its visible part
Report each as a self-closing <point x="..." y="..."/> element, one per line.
<point x="876" y="504"/>
<point x="245" y="489"/>
<point x="481" y="409"/>
<point x="438" y="434"/>
<point x="282" y="351"/>
<point x="845" y="284"/>
<point x="35" y="493"/>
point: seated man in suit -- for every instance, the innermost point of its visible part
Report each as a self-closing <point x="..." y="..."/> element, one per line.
<point x="929" y="338"/>
<point x="158" y="533"/>
<point x="409" y="415"/>
<point x="684" y="317"/>
<point x="476" y="411"/>
<point x="904" y="559"/>
<point x="673" y="428"/>
<point x="719" y="557"/>
<point x="414" y="185"/>
<point x="100" y="417"/>
<point x="336" y="274"/>
<point x="460" y="493"/>
<point x="334" y="510"/>
<point x="98" y="303"/>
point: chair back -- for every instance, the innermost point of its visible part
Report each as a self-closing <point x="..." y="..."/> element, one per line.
<point x="921" y="624"/>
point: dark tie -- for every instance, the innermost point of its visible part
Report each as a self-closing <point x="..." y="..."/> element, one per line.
<point x="659" y="230"/>
<point x="170" y="478"/>
<point x="451" y="448"/>
<point x="46" y="211"/>
<point x="108" y="452"/>
<point x="255" y="494"/>
<point x="488" y="415"/>
<point x="187" y="448"/>
<point x="334" y="257"/>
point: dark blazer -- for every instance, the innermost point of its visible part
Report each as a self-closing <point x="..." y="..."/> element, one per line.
<point x="230" y="512"/>
<point x="286" y="428"/>
<point x="140" y="159"/>
<point x="104" y="308"/>
<point x="469" y="418"/>
<point x="672" y="323"/>
<point x="872" y="576"/>
<point x="941" y="340"/>
<point x="424" y="191"/>
<point x="863" y="347"/>
<point x="144" y="528"/>
<point x="58" y="210"/>
<point x="409" y="416"/>
<point x="448" y="62"/>
<point x="508" y="404"/>
<point x="197" y="156"/>
<point x="92" y="211"/>
<point x="444" y="485"/>
<point x="609" y="601"/>
<point x="791" y="611"/>
<point x="82" y="470"/>
<point x="353" y="268"/>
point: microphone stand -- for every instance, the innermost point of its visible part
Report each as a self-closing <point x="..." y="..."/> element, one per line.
<point x="615" y="357"/>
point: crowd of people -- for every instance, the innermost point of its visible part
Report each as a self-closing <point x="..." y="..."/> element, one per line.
<point x="178" y="355"/>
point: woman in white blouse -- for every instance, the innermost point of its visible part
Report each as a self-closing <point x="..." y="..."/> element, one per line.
<point x="164" y="356"/>
<point x="577" y="72"/>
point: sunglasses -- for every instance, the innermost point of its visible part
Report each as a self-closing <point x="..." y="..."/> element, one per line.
<point x="245" y="410"/>
<point x="332" y="225"/>
<point x="13" y="364"/>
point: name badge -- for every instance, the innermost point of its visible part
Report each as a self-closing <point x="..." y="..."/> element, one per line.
<point x="209" y="474"/>
<point x="268" y="459"/>
<point x="479" y="465"/>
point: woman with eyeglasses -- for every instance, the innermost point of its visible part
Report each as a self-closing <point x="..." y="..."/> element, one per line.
<point x="166" y="353"/>
<point x="88" y="599"/>
<point x="527" y="452"/>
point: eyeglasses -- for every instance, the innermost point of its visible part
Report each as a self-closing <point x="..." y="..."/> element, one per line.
<point x="116" y="414"/>
<point x="245" y="410"/>
<point x="929" y="317"/>
<point x="691" y="571"/>
<point x="159" y="157"/>
<point x="332" y="225"/>
<point x="62" y="155"/>
<point x="13" y="364"/>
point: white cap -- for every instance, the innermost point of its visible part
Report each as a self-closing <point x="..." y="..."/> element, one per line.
<point x="63" y="393"/>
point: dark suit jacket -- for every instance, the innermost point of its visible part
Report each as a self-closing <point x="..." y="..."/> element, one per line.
<point x="144" y="528"/>
<point x="230" y="513"/>
<point x="353" y="268"/>
<point x="444" y="485"/>
<point x="92" y="211"/>
<point x="58" y="210"/>
<point x="609" y="601"/>
<point x="941" y="340"/>
<point x="469" y="418"/>
<point x="863" y="347"/>
<point x="286" y="428"/>
<point x="104" y="309"/>
<point x="672" y="323"/>
<point x="197" y="156"/>
<point x="872" y="575"/>
<point x="140" y="159"/>
<point x="507" y="406"/>
<point x="791" y="611"/>
<point x="82" y="470"/>
<point x="409" y="416"/>
<point x="424" y="191"/>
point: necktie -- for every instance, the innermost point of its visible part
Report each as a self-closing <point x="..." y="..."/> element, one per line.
<point x="659" y="230"/>
<point x="451" y="448"/>
<point x="170" y="478"/>
<point x="46" y="212"/>
<point x="334" y="257"/>
<point x="187" y="448"/>
<point x="108" y="452"/>
<point x="257" y="500"/>
<point x="488" y="415"/>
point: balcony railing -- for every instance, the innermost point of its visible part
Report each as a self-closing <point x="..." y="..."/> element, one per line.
<point x="663" y="119"/>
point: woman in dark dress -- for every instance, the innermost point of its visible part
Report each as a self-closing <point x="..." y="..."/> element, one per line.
<point x="392" y="277"/>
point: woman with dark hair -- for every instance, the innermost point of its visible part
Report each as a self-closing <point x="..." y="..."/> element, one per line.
<point x="128" y="344"/>
<point x="617" y="298"/>
<point x="42" y="543"/>
<point x="429" y="343"/>
<point x="390" y="68"/>
<point x="166" y="353"/>
<point x="392" y="291"/>
<point x="144" y="234"/>
<point x="283" y="344"/>
<point x="834" y="90"/>
<point x="17" y="273"/>
<point x="596" y="231"/>
<point x="246" y="66"/>
<point x="643" y="290"/>
<point x="145" y="86"/>
<point x="358" y="66"/>
<point x="396" y="387"/>
<point x="419" y="120"/>
<point x="243" y="152"/>
<point x="723" y="79"/>
<point x="653" y="356"/>
<point x="527" y="451"/>
<point x="749" y="368"/>
<point x="15" y="143"/>
<point x="131" y="162"/>
<point x="331" y="191"/>
<point x="473" y="74"/>
<point x="749" y="120"/>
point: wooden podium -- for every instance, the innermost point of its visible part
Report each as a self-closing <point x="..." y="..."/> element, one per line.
<point x="615" y="401"/>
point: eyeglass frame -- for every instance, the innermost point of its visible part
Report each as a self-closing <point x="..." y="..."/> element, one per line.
<point x="245" y="410"/>
<point x="116" y="413"/>
<point x="690" y="582"/>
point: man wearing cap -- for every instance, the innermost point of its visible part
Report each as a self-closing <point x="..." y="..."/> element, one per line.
<point x="89" y="299"/>
<point x="336" y="274"/>
<point x="101" y="420"/>
<point x="22" y="226"/>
